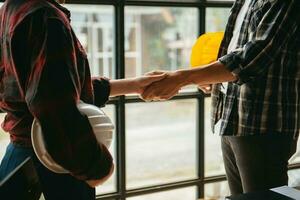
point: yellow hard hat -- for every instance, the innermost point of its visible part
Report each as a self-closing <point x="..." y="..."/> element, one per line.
<point x="206" y="48"/>
<point x="102" y="128"/>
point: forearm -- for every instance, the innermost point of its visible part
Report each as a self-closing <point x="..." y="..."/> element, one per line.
<point x="213" y="73"/>
<point x="123" y="86"/>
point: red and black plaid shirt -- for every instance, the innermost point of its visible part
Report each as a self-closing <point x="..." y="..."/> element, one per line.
<point x="44" y="73"/>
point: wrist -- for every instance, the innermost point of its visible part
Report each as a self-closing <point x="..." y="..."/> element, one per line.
<point x="135" y="86"/>
<point x="123" y="86"/>
<point x="184" y="77"/>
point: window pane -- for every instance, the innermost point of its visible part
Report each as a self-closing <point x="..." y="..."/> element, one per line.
<point x="94" y="28"/>
<point x="294" y="178"/>
<point x="160" y="142"/>
<point x="110" y="185"/>
<point x="217" y="190"/>
<point x="131" y="66"/>
<point x="158" y="38"/>
<point x="179" y="194"/>
<point x="216" y="19"/>
<point x="213" y="154"/>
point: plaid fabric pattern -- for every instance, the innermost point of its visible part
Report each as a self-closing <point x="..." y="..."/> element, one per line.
<point x="44" y="73"/>
<point x="265" y="97"/>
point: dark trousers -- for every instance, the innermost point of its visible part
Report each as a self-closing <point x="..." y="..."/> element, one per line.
<point x="254" y="163"/>
<point x="54" y="186"/>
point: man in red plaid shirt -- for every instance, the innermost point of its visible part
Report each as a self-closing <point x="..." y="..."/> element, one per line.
<point x="44" y="73"/>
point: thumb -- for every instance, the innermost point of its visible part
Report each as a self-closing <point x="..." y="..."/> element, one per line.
<point x="205" y="88"/>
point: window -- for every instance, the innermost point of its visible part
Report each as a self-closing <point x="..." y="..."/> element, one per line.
<point x="157" y="145"/>
<point x="94" y="27"/>
<point x="158" y="38"/>
<point x="162" y="150"/>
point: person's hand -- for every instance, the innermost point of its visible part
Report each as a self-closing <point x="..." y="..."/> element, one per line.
<point x="205" y="88"/>
<point x="95" y="183"/>
<point x="165" y="88"/>
<point x="141" y="83"/>
<point x="133" y="85"/>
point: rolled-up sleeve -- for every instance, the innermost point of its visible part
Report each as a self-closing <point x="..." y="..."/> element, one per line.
<point x="52" y="94"/>
<point x="275" y="28"/>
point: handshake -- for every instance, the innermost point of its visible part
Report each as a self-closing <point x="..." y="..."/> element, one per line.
<point x="163" y="85"/>
<point x="158" y="85"/>
<point x="153" y="86"/>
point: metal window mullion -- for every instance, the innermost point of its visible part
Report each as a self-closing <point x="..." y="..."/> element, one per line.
<point x="219" y="4"/>
<point x="121" y="149"/>
<point x="200" y="120"/>
<point x="163" y="187"/>
<point x="200" y="147"/>
<point x="120" y="111"/>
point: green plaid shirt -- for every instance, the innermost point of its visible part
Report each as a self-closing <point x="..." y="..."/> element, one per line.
<point x="265" y="97"/>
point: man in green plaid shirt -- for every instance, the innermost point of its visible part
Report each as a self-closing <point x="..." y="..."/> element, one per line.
<point x="255" y="96"/>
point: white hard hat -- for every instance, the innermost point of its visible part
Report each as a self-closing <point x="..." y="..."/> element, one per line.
<point x="100" y="122"/>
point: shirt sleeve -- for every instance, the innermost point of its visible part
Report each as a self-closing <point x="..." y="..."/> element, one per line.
<point x="101" y="87"/>
<point x="52" y="95"/>
<point x="278" y="23"/>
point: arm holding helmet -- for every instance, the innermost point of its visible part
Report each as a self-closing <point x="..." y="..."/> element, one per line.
<point x="51" y="96"/>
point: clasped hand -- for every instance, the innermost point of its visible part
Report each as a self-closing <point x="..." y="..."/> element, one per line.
<point x="168" y="86"/>
<point x="163" y="89"/>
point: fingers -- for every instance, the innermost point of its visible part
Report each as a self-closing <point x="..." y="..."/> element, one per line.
<point x="157" y="91"/>
<point x="167" y="97"/>
<point x="95" y="183"/>
<point x="205" y="88"/>
<point x="161" y="88"/>
<point x="148" y="93"/>
<point x="140" y="83"/>
<point x="150" y="98"/>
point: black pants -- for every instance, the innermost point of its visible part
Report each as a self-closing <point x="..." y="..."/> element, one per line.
<point x="54" y="186"/>
<point x="255" y="163"/>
